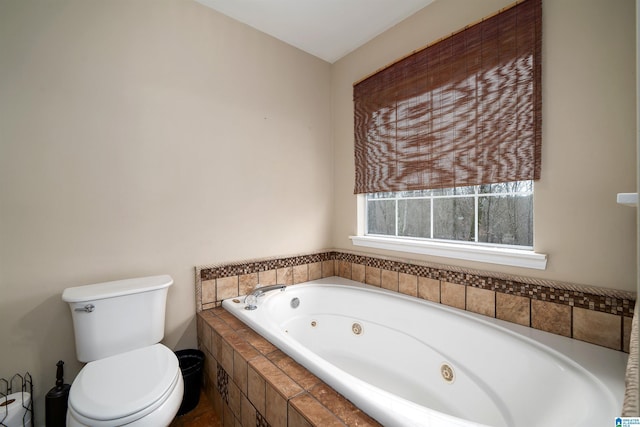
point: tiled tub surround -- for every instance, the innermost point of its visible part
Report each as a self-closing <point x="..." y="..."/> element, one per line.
<point x="631" y="406"/>
<point x="596" y="315"/>
<point x="252" y="383"/>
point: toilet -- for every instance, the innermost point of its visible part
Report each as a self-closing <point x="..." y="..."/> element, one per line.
<point x="130" y="378"/>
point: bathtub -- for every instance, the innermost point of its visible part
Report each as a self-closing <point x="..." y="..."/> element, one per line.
<point x="409" y="362"/>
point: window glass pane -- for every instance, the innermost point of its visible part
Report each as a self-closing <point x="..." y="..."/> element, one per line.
<point x="456" y="191"/>
<point x="507" y="187"/>
<point x="506" y="220"/>
<point x="465" y="190"/>
<point x="380" y="195"/>
<point x="381" y="217"/>
<point x="414" y="218"/>
<point x="505" y="214"/>
<point x="443" y="192"/>
<point x="453" y="219"/>
<point x="414" y="193"/>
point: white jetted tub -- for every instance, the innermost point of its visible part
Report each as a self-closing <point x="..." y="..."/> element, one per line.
<point x="410" y="362"/>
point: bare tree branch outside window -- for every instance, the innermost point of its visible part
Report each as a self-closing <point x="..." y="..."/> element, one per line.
<point x="494" y="214"/>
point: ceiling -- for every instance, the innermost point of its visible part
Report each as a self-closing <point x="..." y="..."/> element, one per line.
<point x="328" y="29"/>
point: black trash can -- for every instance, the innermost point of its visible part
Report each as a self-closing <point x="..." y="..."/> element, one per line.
<point x="191" y="363"/>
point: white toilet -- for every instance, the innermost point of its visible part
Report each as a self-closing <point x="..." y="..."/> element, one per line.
<point x="130" y="379"/>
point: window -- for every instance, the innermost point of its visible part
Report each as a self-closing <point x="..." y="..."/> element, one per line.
<point x="493" y="215"/>
<point x="448" y="141"/>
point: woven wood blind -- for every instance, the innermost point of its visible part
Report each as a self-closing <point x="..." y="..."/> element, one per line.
<point x="463" y="111"/>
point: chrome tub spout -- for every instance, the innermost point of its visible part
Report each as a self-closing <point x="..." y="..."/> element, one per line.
<point x="252" y="299"/>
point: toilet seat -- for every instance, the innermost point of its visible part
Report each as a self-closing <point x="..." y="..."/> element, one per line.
<point x="98" y="397"/>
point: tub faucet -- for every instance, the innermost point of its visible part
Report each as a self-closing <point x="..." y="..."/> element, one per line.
<point x="252" y="299"/>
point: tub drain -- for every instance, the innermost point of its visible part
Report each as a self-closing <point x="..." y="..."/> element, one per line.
<point x="447" y="373"/>
<point x="356" y="328"/>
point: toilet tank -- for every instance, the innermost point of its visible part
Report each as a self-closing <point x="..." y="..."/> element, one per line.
<point x="113" y="317"/>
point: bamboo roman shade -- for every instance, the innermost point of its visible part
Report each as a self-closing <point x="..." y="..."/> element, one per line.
<point x="463" y="111"/>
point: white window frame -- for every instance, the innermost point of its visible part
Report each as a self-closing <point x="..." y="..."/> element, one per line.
<point x="524" y="257"/>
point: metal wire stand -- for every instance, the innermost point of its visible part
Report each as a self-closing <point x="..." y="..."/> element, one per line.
<point x="16" y="384"/>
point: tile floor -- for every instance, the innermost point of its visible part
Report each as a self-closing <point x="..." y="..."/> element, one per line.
<point x="202" y="415"/>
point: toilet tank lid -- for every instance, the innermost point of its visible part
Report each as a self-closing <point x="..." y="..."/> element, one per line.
<point x="116" y="288"/>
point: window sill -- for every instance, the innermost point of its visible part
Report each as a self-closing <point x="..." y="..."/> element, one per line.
<point x="488" y="254"/>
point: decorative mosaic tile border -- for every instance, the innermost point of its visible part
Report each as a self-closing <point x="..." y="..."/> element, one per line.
<point x="256" y="266"/>
<point x="223" y="384"/>
<point x="598" y="299"/>
<point x="604" y="300"/>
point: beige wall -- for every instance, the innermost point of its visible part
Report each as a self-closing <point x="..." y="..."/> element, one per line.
<point x="145" y="137"/>
<point x="588" y="133"/>
<point x="150" y="136"/>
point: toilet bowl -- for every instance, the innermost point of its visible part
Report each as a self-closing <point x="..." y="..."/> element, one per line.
<point x="141" y="388"/>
